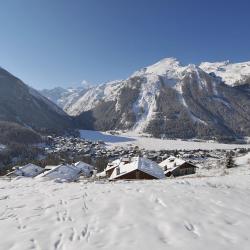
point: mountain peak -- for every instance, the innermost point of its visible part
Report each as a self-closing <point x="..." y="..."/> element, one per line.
<point x="163" y="67"/>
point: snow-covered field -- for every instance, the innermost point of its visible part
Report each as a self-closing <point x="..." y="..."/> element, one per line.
<point x="148" y="143"/>
<point x="186" y="213"/>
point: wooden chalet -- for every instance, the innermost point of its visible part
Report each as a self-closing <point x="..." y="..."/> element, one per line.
<point x="138" y="168"/>
<point x="174" y="166"/>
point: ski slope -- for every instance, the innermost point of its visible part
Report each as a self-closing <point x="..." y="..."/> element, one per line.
<point x="187" y="213"/>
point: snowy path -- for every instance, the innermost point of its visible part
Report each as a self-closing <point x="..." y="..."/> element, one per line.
<point x="205" y="213"/>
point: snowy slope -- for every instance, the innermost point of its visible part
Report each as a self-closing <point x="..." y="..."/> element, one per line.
<point x="231" y="73"/>
<point x="92" y="97"/>
<point x="187" y="213"/>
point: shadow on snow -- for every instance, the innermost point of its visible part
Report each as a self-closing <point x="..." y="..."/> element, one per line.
<point x="99" y="136"/>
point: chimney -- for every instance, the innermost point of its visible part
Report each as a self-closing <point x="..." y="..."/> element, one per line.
<point x="117" y="170"/>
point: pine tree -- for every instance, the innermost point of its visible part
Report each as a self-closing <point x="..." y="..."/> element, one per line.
<point x="230" y="161"/>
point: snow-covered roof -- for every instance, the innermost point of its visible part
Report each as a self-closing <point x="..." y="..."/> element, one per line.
<point x="171" y="163"/>
<point x="29" y="170"/>
<point x="84" y="167"/>
<point x="49" y="167"/>
<point x="138" y="163"/>
<point x="63" y="172"/>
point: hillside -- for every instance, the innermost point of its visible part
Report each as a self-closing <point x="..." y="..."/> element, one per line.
<point x="14" y="133"/>
<point x="24" y="105"/>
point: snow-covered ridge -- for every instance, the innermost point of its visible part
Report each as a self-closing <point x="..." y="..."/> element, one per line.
<point x="167" y="66"/>
<point x="107" y="91"/>
<point x="231" y="73"/>
<point x="65" y="97"/>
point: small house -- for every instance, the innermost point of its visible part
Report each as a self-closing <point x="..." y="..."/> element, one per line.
<point x="174" y="166"/>
<point x="138" y="168"/>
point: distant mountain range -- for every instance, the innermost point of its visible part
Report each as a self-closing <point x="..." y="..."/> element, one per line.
<point x="65" y="97"/>
<point x="166" y="99"/>
<point x="173" y="100"/>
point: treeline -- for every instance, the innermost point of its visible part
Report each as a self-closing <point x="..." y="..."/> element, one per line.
<point x="19" y="143"/>
<point x="14" y="133"/>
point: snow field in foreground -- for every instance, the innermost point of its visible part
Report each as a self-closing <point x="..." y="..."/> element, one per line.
<point x="190" y="213"/>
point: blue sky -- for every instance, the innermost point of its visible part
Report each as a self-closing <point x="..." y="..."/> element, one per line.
<point x="59" y="43"/>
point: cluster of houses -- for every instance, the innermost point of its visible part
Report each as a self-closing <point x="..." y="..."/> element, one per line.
<point x="62" y="172"/>
<point x="124" y="168"/>
<point x="97" y="149"/>
<point x="75" y="146"/>
<point x="143" y="168"/>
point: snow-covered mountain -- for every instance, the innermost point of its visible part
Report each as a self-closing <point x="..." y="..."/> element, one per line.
<point x="21" y="104"/>
<point x="231" y="73"/>
<point x="168" y="98"/>
<point x="65" y="97"/>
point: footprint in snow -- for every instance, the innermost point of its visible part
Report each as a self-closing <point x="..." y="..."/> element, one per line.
<point x="160" y="202"/>
<point x="192" y="228"/>
<point x="4" y="197"/>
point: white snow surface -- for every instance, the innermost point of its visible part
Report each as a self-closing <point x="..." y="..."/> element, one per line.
<point x="144" y="141"/>
<point x="175" y="214"/>
<point x="138" y="163"/>
<point x="231" y="73"/>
